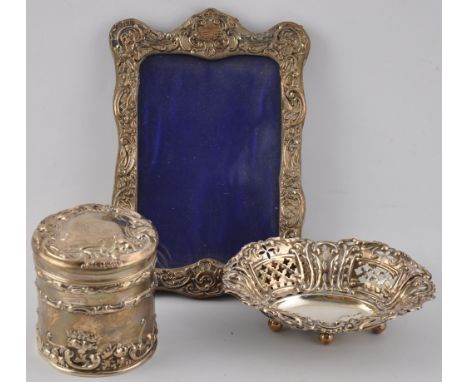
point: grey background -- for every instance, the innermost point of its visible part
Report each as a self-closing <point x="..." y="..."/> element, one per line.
<point x="371" y="169"/>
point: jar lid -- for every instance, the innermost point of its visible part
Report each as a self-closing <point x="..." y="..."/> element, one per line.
<point x="94" y="238"/>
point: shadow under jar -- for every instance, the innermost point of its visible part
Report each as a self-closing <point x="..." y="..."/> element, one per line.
<point x="95" y="283"/>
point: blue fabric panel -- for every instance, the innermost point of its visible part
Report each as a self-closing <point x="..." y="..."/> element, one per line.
<point x="209" y="153"/>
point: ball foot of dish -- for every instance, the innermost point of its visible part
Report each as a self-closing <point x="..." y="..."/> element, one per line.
<point x="379" y="328"/>
<point x="274" y="325"/>
<point x="326" y="338"/>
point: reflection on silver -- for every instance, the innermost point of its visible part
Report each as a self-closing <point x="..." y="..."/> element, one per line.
<point x="332" y="287"/>
<point x="328" y="309"/>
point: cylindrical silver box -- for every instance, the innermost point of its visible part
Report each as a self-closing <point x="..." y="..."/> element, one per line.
<point x="95" y="282"/>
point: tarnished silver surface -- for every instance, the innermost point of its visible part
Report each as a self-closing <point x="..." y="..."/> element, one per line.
<point x="95" y="283"/>
<point x="331" y="287"/>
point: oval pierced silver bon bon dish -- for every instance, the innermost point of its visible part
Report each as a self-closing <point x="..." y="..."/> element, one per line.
<point x="329" y="287"/>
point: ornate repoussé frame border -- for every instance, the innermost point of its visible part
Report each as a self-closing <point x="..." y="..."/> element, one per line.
<point x="211" y="35"/>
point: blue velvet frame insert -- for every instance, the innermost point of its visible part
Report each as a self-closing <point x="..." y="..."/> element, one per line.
<point x="209" y="154"/>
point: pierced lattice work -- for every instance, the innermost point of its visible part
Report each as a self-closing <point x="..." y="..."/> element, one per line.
<point x="279" y="273"/>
